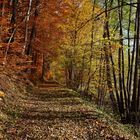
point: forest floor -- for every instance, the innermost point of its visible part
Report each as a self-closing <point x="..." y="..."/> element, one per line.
<point x="51" y="112"/>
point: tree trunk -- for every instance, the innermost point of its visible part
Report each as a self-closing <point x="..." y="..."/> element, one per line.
<point x="108" y="71"/>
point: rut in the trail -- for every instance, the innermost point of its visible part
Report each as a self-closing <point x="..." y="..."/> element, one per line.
<point x="52" y="112"/>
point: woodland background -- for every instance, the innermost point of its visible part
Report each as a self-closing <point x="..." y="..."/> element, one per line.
<point x="91" y="46"/>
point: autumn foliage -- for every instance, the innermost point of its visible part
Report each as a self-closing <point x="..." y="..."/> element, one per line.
<point x="29" y="31"/>
<point x="89" y="46"/>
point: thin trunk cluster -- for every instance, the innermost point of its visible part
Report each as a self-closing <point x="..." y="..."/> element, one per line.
<point x="126" y="87"/>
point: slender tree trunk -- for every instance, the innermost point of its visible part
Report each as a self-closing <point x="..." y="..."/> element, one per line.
<point x="29" y="48"/>
<point x="113" y="65"/>
<point x="27" y="27"/>
<point x="91" y="51"/>
<point x="14" y="17"/>
<point x="82" y="69"/>
<point x="2" y="16"/>
<point x="108" y="70"/>
<point x="129" y="55"/>
<point x="132" y="69"/>
<point x="102" y="81"/>
<point x="121" y="65"/>
<point x="13" y="29"/>
<point x="136" y="95"/>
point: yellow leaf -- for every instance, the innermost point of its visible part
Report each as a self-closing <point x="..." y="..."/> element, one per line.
<point x="2" y="94"/>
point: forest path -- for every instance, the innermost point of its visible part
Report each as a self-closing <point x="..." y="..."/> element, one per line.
<point x="52" y="112"/>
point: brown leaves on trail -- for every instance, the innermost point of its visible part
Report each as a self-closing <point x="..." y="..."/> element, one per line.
<point x="62" y="129"/>
<point x="49" y="115"/>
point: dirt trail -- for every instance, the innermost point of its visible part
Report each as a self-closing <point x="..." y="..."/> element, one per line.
<point x="52" y="112"/>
